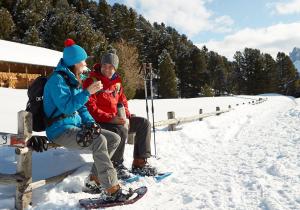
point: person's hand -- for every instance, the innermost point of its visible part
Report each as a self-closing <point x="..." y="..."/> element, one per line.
<point x="38" y="143"/>
<point x="96" y="127"/>
<point x="118" y="120"/>
<point x="95" y="87"/>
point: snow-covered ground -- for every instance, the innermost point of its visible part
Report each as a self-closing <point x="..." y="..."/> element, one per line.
<point x="246" y="159"/>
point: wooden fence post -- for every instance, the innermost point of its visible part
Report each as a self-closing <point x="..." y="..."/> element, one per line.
<point x="200" y="112"/>
<point x="24" y="163"/>
<point x="171" y="127"/>
<point x="217" y="110"/>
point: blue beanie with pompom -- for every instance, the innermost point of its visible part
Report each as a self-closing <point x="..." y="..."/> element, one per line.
<point x="73" y="53"/>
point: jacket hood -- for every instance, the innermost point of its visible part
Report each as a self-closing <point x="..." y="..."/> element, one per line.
<point x="61" y="66"/>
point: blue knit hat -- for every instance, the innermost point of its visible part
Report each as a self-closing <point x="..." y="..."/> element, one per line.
<point x="73" y="53"/>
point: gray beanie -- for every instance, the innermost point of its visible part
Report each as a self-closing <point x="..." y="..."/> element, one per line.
<point x="111" y="58"/>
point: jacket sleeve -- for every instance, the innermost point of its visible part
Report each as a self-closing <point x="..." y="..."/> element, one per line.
<point x="86" y="83"/>
<point x="98" y="114"/>
<point x="123" y="100"/>
<point x="65" y="101"/>
<point x="85" y="115"/>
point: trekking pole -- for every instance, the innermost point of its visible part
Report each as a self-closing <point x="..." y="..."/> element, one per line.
<point x="152" y="107"/>
<point x="145" y="85"/>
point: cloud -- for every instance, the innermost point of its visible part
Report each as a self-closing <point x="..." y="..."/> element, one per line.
<point x="189" y="17"/>
<point x="272" y="39"/>
<point x="287" y="8"/>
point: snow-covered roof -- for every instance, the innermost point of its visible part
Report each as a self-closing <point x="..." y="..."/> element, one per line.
<point x="22" y="53"/>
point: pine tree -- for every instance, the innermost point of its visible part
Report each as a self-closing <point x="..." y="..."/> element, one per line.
<point x="167" y="78"/>
<point x="7" y="26"/>
<point x="217" y="72"/>
<point x="197" y="76"/>
<point x="184" y="70"/>
<point x="287" y="73"/>
<point x="62" y="25"/>
<point x="61" y="4"/>
<point x="239" y="74"/>
<point x="104" y="20"/>
<point x="272" y="78"/>
<point x="124" y="23"/>
<point x="32" y="37"/>
<point x="30" y="13"/>
<point x="250" y="71"/>
<point x="80" y="5"/>
<point x="8" y="4"/>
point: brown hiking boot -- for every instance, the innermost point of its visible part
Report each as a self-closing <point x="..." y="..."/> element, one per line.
<point x="115" y="194"/>
<point x="92" y="184"/>
<point x="113" y="189"/>
<point x="143" y="168"/>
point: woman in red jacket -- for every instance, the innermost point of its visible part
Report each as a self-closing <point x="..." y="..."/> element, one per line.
<point x="103" y="107"/>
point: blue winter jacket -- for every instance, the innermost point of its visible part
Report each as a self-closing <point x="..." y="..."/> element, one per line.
<point x="67" y="100"/>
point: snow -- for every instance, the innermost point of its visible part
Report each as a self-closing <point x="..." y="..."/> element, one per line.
<point x="247" y="158"/>
<point x="22" y="53"/>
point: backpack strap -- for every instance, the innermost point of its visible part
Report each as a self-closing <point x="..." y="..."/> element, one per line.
<point x="50" y="120"/>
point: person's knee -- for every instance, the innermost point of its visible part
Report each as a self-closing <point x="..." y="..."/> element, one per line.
<point x="147" y="123"/>
<point x="99" y="143"/>
<point x="117" y="139"/>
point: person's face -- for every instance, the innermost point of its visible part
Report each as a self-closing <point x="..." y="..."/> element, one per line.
<point x="107" y="70"/>
<point x="79" y="67"/>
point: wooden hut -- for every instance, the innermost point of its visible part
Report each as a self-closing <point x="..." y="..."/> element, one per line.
<point x="20" y="64"/>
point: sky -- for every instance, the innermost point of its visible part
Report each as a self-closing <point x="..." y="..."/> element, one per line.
<point x="227" y="26"/>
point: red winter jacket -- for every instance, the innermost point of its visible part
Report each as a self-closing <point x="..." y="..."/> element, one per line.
<point x="103" y="104"/>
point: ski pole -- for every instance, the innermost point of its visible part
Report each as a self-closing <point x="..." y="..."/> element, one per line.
<point x="145" y="85"/>
<point x="152" y="107"/>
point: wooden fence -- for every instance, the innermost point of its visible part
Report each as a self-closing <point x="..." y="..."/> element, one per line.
<point x="23" y="176"/>
<point x="172" y="121"/>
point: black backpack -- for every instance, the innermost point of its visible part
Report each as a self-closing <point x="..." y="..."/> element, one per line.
<point x="35" y="103"/>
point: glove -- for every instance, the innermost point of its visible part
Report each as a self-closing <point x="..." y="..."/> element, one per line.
<point x="96" y="128"/>
<point x="87" y="134"/>
<point x="38" y="143"/>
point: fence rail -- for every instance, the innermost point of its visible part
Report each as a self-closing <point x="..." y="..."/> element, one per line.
<point x="23" y="176"/>
<point x="180" y="120"/>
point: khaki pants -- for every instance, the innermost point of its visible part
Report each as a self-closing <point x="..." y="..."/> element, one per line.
<point x="102" y="148"/>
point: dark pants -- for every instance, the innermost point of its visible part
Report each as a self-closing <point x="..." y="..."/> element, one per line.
<point x="142" y="146"/>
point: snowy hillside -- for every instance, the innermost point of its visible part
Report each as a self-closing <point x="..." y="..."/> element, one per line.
<point x="245" y="159"/>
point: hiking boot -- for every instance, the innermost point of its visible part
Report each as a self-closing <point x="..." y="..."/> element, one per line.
<point x="143" y="168"/>
<point x="122" y="171"/>
<point x="92" y="185"/>
<point x="115" y="194"/>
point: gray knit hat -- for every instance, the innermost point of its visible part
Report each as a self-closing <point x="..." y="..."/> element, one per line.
<point x="111" y="58"/>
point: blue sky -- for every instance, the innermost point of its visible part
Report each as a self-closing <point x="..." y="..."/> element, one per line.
<point x="226" y="26"/>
